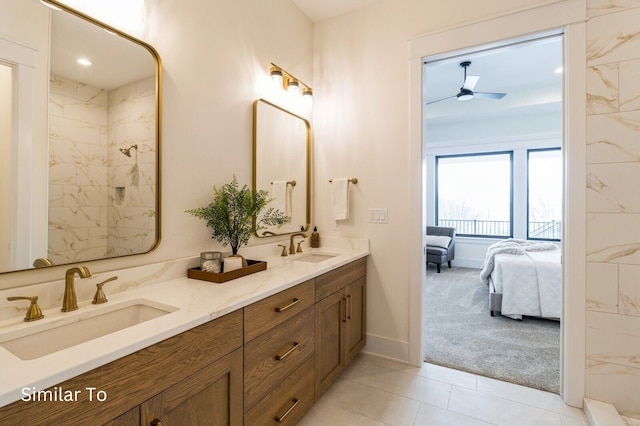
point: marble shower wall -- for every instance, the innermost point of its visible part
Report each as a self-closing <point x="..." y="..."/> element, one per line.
<point x="132" y="182"/>
<point x="78" y="171"/>
<point x="101" y="203"/>
<point x="613" y="203"/>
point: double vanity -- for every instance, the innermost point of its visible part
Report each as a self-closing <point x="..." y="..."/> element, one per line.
<point x="256" y="350"/>
<point x="156" y="346"/>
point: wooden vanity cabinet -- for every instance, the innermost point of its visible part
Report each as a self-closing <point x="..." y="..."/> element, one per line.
<point x="340" y="321"/>
<point x="172" y="376"/>
<point x="265" y="364"/>
<point x="212" y="396"/>
<point x="278" y="357"/>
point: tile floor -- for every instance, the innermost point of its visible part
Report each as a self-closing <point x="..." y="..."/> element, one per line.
<point x="376" y="391"/>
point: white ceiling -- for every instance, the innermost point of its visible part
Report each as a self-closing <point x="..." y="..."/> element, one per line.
<point x="116" y="61"/>
<point x="525" y="71"/>
<point x="318" y="10"/>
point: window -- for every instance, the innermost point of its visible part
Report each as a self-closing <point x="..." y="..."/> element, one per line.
<point x="474" y="193"/>
<point x="544" y="215"/>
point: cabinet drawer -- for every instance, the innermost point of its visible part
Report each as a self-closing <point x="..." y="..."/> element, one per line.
<point x="291" y="399"/>
<point x="133" y="379"/>
<point x="334" y="280"/>
<point x="272" y="356"/>
<point x="274" y="310"/>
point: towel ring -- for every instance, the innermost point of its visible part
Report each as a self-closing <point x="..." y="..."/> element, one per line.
<point x="352" y="180"/>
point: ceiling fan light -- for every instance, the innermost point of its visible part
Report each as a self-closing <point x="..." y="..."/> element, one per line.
<point x="465" y="95"/>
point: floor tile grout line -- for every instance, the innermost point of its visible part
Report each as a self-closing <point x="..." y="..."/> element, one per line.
<point x="476" y="391"/>
<point x="546" y="410"/>
<point x="400" y="395"/>
<point x="356" y="413"/>
<point x="551" y="410"/>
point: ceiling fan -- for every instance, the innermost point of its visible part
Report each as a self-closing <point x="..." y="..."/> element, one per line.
<point x="466" y="91"/>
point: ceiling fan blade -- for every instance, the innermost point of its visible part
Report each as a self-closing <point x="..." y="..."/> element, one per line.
<point x="489" y="95"/>
<point x="470" y="82"/>
<point x="438" y="100"/>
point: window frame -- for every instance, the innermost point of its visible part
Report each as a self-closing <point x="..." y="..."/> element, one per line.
<point x="511" y="189"/>
<point x="529" y="151"/>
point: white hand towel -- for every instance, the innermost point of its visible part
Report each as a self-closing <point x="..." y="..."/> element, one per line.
<point x="280" y="195"/>
<point x="340" y="199"/>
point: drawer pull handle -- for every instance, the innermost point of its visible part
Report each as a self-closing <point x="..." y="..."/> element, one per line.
<point x="343" y="308"/>
<point x="281" y="418"/>
<point x="349" y="306"/>
<point x="156" y="422"/>
<point x="295" y="346"/>
<point x="290" y="305"/>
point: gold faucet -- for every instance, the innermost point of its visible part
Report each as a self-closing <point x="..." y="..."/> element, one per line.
<point x="42" y="262"/>
<point x="69" y="302"/>
<point x="33" y="313"/>
<point x="100" y="297"/>
<point x="292" y="248"/>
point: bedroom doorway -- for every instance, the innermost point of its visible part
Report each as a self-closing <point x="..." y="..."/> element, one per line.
<point x="492" y="148"/>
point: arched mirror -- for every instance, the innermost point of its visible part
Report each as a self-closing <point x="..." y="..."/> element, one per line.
<point x="83" y="139"/>
<point x="281" y="164"/>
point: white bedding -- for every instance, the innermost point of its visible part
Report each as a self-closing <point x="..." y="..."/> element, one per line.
<point x="529" y="279"/>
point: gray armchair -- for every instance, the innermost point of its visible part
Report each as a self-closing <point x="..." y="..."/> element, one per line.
<point x="440" y="250"/>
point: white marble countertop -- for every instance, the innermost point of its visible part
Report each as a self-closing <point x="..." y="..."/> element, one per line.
<point x="196" y="303"/>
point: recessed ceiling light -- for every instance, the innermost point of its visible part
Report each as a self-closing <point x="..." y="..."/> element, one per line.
<point x="84" y="62"/>
<point x="559" y="70"/>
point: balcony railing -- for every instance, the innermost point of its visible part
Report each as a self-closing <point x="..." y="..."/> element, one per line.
<point x="551" y="230"/>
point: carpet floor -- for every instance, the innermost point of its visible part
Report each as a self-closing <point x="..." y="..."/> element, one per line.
<point x="460" y="333"/>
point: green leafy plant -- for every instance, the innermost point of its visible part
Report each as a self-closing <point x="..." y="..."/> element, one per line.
<point x="233" y="209"/>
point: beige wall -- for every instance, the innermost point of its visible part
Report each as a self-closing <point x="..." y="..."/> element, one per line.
<point x="6" y="101"/>
<point x="361" y="119"/>
<point x="361" y="127"/>
<point x="216" y="56"/>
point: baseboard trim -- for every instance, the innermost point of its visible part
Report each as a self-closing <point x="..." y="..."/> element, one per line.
<point x="601" y="413"/>
<point x="467" y="263"/>
<point x="385" y="347"/>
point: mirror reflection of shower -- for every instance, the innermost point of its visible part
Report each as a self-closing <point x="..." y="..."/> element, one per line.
<point x="134" y="173"/>
<point x="127" y="151"/>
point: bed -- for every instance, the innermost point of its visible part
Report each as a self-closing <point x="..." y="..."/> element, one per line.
<point x="524" y="278"/>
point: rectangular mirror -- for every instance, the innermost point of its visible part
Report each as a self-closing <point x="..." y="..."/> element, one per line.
<point x="282" y="164"/>
<point x="99" y="196"/>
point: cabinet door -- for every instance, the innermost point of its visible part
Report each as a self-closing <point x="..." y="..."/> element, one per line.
<point x="212" y="396"/>
<point x="356" y="318"/>
<point x="330" y="340"/>
<point x="130" y="418"/>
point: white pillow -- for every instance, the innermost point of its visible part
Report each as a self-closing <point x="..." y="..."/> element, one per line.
<point x="438" y="241"/>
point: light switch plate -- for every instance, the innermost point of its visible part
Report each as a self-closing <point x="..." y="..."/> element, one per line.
<point x="378" y="216"/>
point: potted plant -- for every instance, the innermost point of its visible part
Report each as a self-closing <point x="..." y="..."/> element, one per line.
<point x="231" y="214"/>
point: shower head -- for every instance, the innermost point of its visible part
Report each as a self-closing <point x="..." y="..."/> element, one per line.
<point x="127" y="151"/>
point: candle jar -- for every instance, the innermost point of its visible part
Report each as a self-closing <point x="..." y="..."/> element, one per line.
<point x="211" y="261"/>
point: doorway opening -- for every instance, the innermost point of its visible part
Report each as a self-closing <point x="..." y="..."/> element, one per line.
<point x="493" y="150"/>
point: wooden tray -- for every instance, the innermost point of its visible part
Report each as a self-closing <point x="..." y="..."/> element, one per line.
<point x="253" y="267"/>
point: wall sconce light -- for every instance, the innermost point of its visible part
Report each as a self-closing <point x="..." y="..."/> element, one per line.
<point x="290" y="83"/>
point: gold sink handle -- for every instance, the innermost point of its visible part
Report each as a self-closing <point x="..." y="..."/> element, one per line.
<point x="100" y="297"/>
<point x="33" y="313"/>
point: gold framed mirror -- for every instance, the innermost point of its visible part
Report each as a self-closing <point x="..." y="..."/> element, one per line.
<point x="282" y="164"/>
<point x="89" y="133"/>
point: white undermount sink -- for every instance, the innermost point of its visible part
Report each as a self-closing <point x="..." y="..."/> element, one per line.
<point x="69" y="329"/>
<point x="316" y="257"/>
